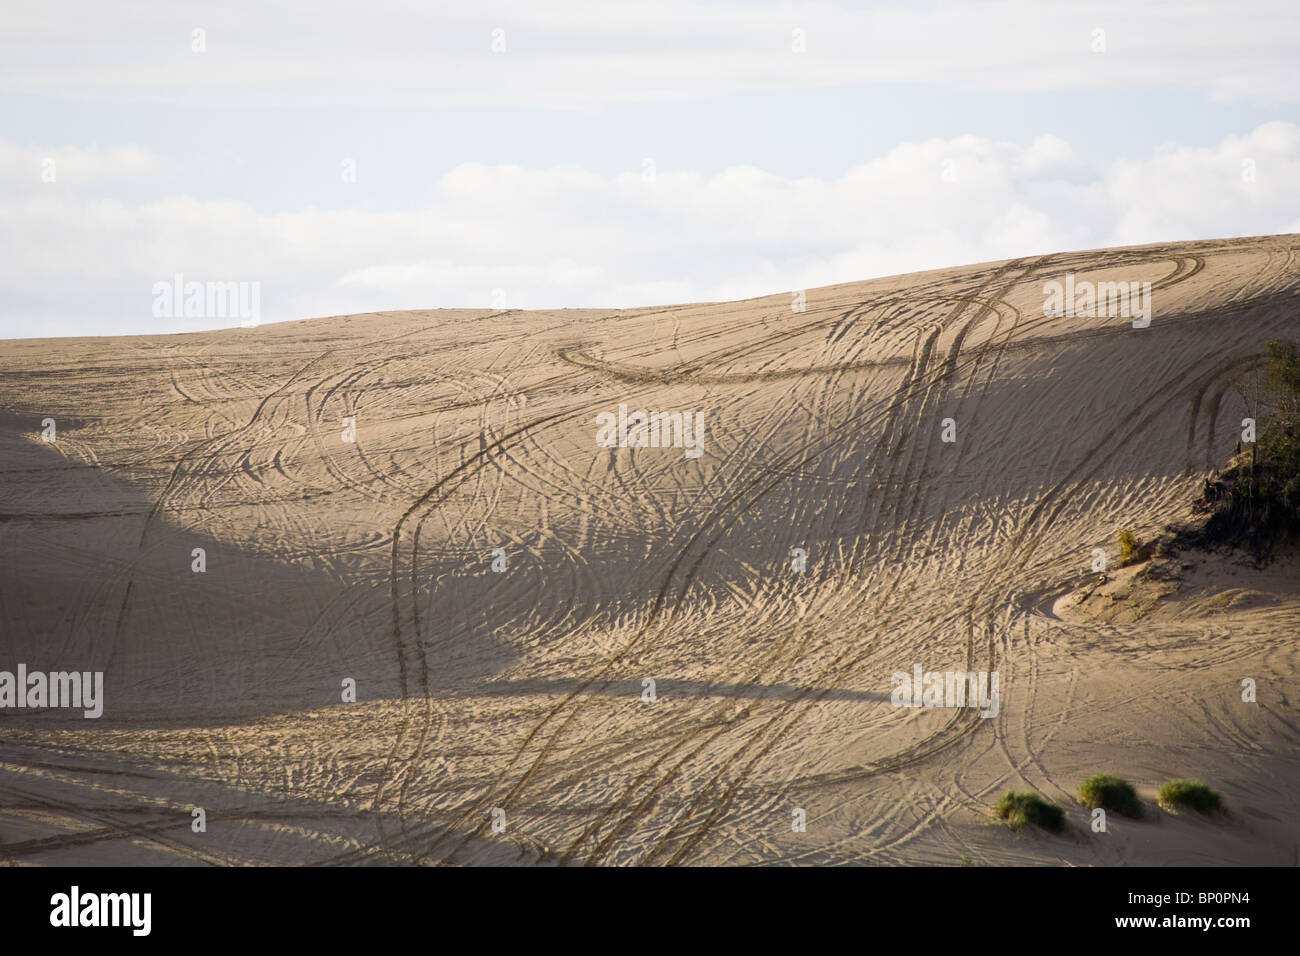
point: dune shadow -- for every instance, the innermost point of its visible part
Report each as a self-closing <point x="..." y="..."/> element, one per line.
<point x="668" y="688"/>
<point x="188" y="626"/>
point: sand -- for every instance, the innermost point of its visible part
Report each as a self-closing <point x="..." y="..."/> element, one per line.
<point x="501" y="715"/>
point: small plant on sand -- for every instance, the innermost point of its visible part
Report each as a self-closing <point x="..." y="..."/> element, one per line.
<point x="1019" y="809"/>
<point x="1189" y="795"/>
<point x="1111" y="793"/>
<point x="1130" y="552"/>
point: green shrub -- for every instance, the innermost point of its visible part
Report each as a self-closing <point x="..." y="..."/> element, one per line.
<point x="1255" y="502"/>
<point x="1111" y="793"/>
<point x="1130" y="552"/>
<point x="1190" y="795"/>
<point x="1019" y="809"/>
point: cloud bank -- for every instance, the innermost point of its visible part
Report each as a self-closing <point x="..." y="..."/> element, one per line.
<point x="494" y="236"/>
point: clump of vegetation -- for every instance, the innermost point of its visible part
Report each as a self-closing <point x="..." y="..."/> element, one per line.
<point x="1190" y="795"/>
<point x="1020" y="809"/>
<point x="1130" y="551"/>
<point x="1111" y="793"/>
<point x="1255" y="502"/>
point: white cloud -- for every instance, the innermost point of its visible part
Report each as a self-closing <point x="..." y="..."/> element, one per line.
<point x="22" y="167"/>
<point x="568" y="237"/>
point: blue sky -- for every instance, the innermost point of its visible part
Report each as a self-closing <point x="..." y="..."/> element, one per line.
<point x="791" y="146"/>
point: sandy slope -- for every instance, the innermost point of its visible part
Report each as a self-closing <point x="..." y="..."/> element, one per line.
<point x="522" y="690"/>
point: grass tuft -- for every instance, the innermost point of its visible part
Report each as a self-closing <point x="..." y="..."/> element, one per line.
<point x="1130" y="552"/>
<point x="1111" y="793"/>
<point x="1019" y="809"/>
<point x="1189" y="795"/>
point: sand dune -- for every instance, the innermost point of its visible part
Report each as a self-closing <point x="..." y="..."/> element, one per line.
<point x="500" y="714"/>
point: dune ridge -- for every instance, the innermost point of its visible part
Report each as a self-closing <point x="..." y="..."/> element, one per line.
<point x="502" y="587"/>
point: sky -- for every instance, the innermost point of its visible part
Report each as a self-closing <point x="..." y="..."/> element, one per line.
<point x="361" y="157"/>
